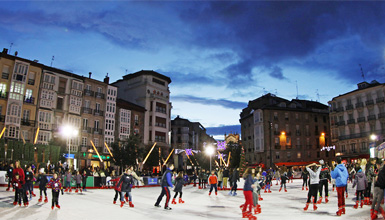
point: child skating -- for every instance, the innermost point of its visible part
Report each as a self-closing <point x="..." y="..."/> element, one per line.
<point x="284" y="178"/>
<point x="43" y="181"/>
<point x="55" y="184"/>
<point x="78" y="179"/>
<point x="17" y="184"/>
<point x="213" y="180"/>
<point x="68" y="176"/>
<point x="179" y="182"/>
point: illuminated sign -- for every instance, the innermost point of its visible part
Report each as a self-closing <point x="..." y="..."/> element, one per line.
<point x="221" y="145"/>
<point x="102" y="156"/>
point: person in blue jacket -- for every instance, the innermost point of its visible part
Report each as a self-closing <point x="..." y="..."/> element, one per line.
<point x="165" y="183"/>
<point x="340" y="174"/>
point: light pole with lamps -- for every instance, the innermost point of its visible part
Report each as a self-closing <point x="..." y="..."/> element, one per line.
<point x="210" y="152"/>
<point x="69" y="132"/>
<point x="372" y="146"/>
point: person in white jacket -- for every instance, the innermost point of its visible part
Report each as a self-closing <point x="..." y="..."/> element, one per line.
<point x="314" y="184"/>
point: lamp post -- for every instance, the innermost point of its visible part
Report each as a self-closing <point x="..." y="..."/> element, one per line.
<point x="372" y="147"/>
<point x="210" y="151"/>
<point x="69" y="132"/>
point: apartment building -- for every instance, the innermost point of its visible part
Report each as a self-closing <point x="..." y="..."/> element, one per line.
<point x="131" y="120"/>
<point x="278" y="131"/>
<point x="355" y="116"/>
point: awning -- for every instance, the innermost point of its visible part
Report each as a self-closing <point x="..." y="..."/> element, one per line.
<point x="290" y="164"/>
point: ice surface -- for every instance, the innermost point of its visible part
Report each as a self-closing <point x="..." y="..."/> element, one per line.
<point x="97" y="204"/>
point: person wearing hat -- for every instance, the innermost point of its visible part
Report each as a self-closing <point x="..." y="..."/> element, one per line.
<point x="324" y="178"/>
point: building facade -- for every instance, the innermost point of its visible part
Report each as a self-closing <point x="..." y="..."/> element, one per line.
<point x="150" y="90"/>
<point x="276" y="131"/>
<point x="130" y="120"/>
<point x="355" y="116"/>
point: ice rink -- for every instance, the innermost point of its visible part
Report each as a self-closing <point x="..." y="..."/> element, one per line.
<point x="97" y="204"/>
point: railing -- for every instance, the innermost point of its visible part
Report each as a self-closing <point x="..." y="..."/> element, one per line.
<point x="351" y="121"/>
<point x="99" y="95"/>
<point x="5" y="75"/>
<point x="3" y="95"/>
<point x="369" y="102"/>
<point x="359" y="104"/>
<point x="62" y="90"/>
<point x="31" y="82"/>
<point x="379" y="99"/>
<point x="97" y="131"/>
<point x="349" y="107"/>
<point x="88" y="92"/>
<point x="86" y="129"/>
<point x="340" y="123"/>
<point x="162" y="125"/>
<point x="277" y="146"/>
<point x="361" y="119"/>
<point x="371" y="117"/>
<point x="30" y="100"/>
<point x="86" y="110"/>
<point x="27" y="122"/>
<point x="98" y="112"/>
<point x="340" y="109"/>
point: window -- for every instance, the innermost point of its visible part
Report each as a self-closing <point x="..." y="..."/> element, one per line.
<point x="20" y="72"/>
<point x="84" y="141"/>
<point x="99" y="90"/>
<point x="88" y="87"/>
<point x="276" y="155"/>
<point x="160" y="82"/>
<point x="286" y="116"/>
<point x="3" y="88"/>
<point x="96" y="124"/>
<point x="31" y="78"/>
<point x="288" y="154"/>
<point x="353" y="147"/>
<point x="363" y="146"/>
<point x="96" y="142"/>
<point x="299" y="155"/>
<point x="26" y="114"/>
<point x="275" y="116"/>
<point x="296" y="116"/>
<point x="125" y="116"/>
<point x="343" y="148"/>
<point x="59" y="104"/>
<point x="28" y="94"/>
<point x="5" y="73"/>
<point x="85" y="123"/>
<point x="97" y="107"/>
<point x="13" y="132"/>
<point x="136" y="120"/>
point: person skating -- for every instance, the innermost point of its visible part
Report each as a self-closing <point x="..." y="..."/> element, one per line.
<point x="220" y="179"/>
<point x="9" y="175"/>
<point x="17" y="184"/>
<point x="234" y="180"/>
<point x="304" y="176"/>
<point x="314" y="172"/>
<point x="117" y="189"/>
<point x="165" y="183"/>
<point x="226" y="174"/>
<point x="370" y="175"/>
<point x="324" y="178"/>
<point x="125" y="185"/>
<point x="268" y="181"/>
<point x="284" y="178"/>
<point x="78" y="179"/>
<point x="213" y="181"/>
<point x="201" y="176"/>
<point x="84" y="179"/>
<point x="19" y="171"/>
<point x="340" y="174"/>
<point x="56" y="186"/>
<point x="277" y="176"/>
<point x="206" y="179"/>
<point x="68" y="176"/>
<point x="43" y="181"/>
<point x="179" y="182"/>
<point x="378" y="193"/>
<point x="256" y="194"/>
<point x="361" y="182"/>
<point x="248" y="193"/>
<point x="185" y="179"/>
<point x="29" y="178"/>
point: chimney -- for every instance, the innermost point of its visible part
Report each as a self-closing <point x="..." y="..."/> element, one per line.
<point x="5" y="50"/>
<point x="107" y="79"/>
<point x="16" y="53"/>
<point x="89" y="75"/>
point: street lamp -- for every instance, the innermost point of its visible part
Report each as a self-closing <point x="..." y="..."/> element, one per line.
<point x="372" y="147"/>
<point x="69" y="132"/>
<point x="210" y="151"/>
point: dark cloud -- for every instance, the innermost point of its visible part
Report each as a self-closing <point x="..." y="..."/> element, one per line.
<point x="276" y="72"/>
<point x="207" y="101"/>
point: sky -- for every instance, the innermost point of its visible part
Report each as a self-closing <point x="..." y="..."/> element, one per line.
<point x="218" y="54"/>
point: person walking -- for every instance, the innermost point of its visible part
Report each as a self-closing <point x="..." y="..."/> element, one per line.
<point x="165" y="183"/>
<point x="340" y="174"/>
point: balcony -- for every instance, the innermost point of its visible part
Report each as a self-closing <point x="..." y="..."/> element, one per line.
<point x="351" y="121"/>
<point x="162" y="125"/>
<point x="2" y="118"/>
<point x="3" y="95"/>
<point x="369" y="102"/>
<point x="359" y="104"/>
<point x="31" y="82"/>
<point x="86" y="130"/>
<point x="381" y="115"/>
<point x="371" y="117"/>
<point x="5" y="75"/>
<point x="99" y="95"/>
<point x="379" y="100"/>
<point x="161" y="110"/>
<point x="27" y="122"/>
<point x="88" y="92"/>
<point x="343" y="137"/>
<point x="97" y="131"/>
<point x="98" y="112"/>
<point x="349" y="107"/>
<point x="86" y="110"/>
<point x="30" y="100"/>
<point x="361" y="119"/>
<point x="298" y="147"/>
<point x="340" y="109"/>
<point x="340" y="123"/>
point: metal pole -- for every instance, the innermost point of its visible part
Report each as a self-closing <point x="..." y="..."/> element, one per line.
<point x="210" y="163"/>
<point x="270" y="130"/>
<point x="69" y="151"/>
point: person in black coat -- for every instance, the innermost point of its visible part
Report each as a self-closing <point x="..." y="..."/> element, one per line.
<point x="43" y="181"/>
<point x="9" y="175"/>
<point x="125" y="185"/>
<point x="234" y="180"/>
<point x="378" y="193"/>
<point x="178" y="187"/>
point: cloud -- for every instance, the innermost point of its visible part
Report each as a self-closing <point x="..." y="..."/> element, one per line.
<point x="207" y="101"/>
<point x="225" y="129"/>
<point x="276" y="72"/>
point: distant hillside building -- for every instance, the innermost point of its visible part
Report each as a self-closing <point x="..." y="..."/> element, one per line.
<point x="278" y="131"/>
<point x="355" y="116"/>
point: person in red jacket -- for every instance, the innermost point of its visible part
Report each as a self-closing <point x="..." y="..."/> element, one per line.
<point x="19" y="191"/>
<point x="213" y="180"/>
<point x="18" y="170"/>
<point x="56" y="186"/>
<point x="117" y="189"/>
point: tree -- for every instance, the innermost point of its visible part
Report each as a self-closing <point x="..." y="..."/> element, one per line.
<point x="243" y="163"/>
<point x="235" y="150"/>
<point x="127" y="152"/>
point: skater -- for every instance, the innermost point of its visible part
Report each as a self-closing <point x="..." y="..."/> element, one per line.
<point x="268" y="181"/>
<point x="290" y="175"/>
<point x="194" y="178"/>
<point x="361" y="182"/>
<point x="206" y="179"/>
<point x="125" y="185"/>
<point x="256" y="194"/>
<point x="78" y="179"/>
<point x="284" y="178"/>
<point x="248" y="193"/>
<point x="56" y="186"/>
<point x="277" y="176"/>
<point x="84" y="179"/>
<point x="9" y="175"/>
<point x="314" y="184"/>
<point x="29" y="178"/>
<point x="179" y="182"/>
<point x="340" y="174"/>
<point x="68" y="177"/>
<point x="324" y="177"/>
<point x="305" y="177"/>
<point x="378" y="193"/>
<point x="213" y="181"/>
<point x="220" y="178"/>
<point x="234" y="180"/>
<point x="17" y="184"/>
<point x="201" y="176"/>
<point x="226" y="175"/>
<point x="185" y="179"/>
<point x="43" y="181"/>
<point x="165" y="183"/>
<point x="370" y="175"/>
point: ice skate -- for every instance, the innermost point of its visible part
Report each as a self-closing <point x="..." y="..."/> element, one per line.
<point x="40" y="199"/>
<point x="209" y="193"/>
<point x="52" y="207"/>
<point x="58" y="206"/>
<point x="33" y="194"/>
<point x="76" y="191"/>
<point x="167" y="208"/>
<point x="46" y="199"/>
<point x="343" y="210"/>
<point x="81" y="190"/>
<point x="362" y="204"/>
<point x="121" y="203"/>
<point x="173" y="202"/>
<point x="126" y="198"/>
<point x="280" y="189"/>
<point x="246" y="214"/>
<point x="14" y="203"/>
<point x="285" y="190"/>
<point x="7" y="189"/>
<point x="307" y="189"/>
<point x="302" y="188"/>
<point x="260" y="198"/>
<point x="319" y="201"/>
<point x="113" y="202"/>
<point x="66" y="190"/>
<point x="306" y="207"/>
<point x="234" y="194"/>
<point x="265" y="191"/>
<point x="70" y="190"/>
<point x="257" y="209"/>
<point x="180" y="200"/>
<point x="326" y="199"/>
<point x="314" y="207"/>
<point x="356" y="205"/>
<point x="131" y="204"/>
<point x="339" y="212"/>
<point x="374" y="215"/>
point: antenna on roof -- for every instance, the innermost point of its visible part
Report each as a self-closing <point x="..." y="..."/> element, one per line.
<point x="296" y="85"/>
<point x="318" y="99"/>
<point x="53" y="58"/>
<point x="126" y="71"/>
<point x="10" y="48"/>
<point x="276" y="92"/>
<point x="362" y="72"/>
